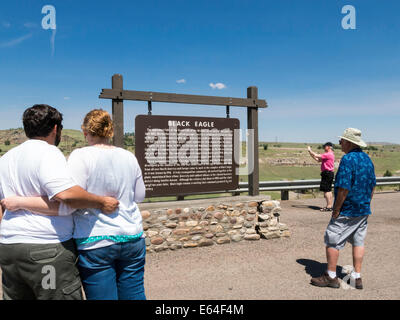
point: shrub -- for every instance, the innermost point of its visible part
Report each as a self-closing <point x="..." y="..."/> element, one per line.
<point x="388" y="173"/>
<point x="265" y="146"/>
<point x="7" y="142"/>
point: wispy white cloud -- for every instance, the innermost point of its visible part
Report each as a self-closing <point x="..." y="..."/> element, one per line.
<point x="181" y="81"/>
<point x="217" y="85"/>
<point x="6" y="24"/>
<point x="67" y="98"/>
<point x="14" y="42"/>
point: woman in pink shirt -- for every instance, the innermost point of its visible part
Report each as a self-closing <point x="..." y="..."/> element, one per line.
<point x="327" y="160"/>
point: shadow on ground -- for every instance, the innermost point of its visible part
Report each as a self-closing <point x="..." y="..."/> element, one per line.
<point x="307" y="207"/>
<point x="315" y="268"/>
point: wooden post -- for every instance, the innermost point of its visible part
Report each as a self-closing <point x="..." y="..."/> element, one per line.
<point x="252" y="123"/>
<point x="118" y="112"/>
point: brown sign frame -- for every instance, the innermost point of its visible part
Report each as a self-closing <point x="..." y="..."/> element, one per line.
<point x="252" y="103"/>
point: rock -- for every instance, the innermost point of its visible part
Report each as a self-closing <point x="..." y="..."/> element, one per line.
<point x="196" y="238"/>
<point x="254" y="236"/>
<point x="263" y="224"/>
<point x="250" y="218"/>
<point x="205" y="243"/>
<point x="232" y="232"/>
<point x="237" y="238"/>
<point x="201" y="209"/>
<point x="213" y="222"/>
<point x="243" y="213"/>
<point x="285" y="233"/>
<point x="165" y="232"/>
<point x="145" y="214"/>
<point x="203" y="223"/>
<point x="156" y="225"/>
<point x="184" y="239"/>
<point x="239" y="205"/>
<point x="220" y="234"/>
<point x="178" y="210"/>
<point x="273" y="222"/>
<point x="235" y="213"/>
<point x="218" y="215"/>
<point x="282" y="226"/>
<point x="209" y="235"/>
<point x="223" y="240"/>
<point x="248" y="224"/>
<point x="252" y="204"/>
<point x="270" y="204"/>
<point x="219" y="228"/>
<point x="252" y="211"/>
<point x="263" y="217"/>
<point x="191" y="223"/>
<point x="160" y="248"/>
<point x="171" y="225"/>
<point x="271" y="235"/>
<point x="250" y="231"/>
<point x="175" y="245"/>
<point x="147" y="241"/>
<point x="276" y="212"/>
<point x="157" y="240"/>
<point x="190" y="244"/>
<point x="233" y="220"/>
<point x="170" y="211"/>
<point x="145" y="226"/>
<point x="151" y="233"/>
<point x="197" y="230"/>
<point x="273" y="229"/>
<point x="237" y="226"/>
<point x="180" y="231"/>
<point x="210" y="208"/>
<point x="173" y="217"/>
<point x="186" y="210"/>
<point x="183" y="217"/>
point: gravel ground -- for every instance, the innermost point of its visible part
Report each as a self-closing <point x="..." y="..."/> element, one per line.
<point x="282" y="268"/>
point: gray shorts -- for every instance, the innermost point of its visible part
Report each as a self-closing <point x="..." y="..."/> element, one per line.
<point x="342" y="229"/>
<point x="40" y="271"/>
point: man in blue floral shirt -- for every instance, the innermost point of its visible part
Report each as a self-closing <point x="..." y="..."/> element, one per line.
<point x="354" y="187"/>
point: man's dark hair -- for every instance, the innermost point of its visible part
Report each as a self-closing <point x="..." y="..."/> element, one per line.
<point x="40" y="119"/>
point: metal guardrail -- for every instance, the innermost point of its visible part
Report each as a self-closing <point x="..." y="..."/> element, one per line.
<point x="286" y="186"/>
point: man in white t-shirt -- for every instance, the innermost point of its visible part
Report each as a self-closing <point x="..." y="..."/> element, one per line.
<point x="37" y="253"/>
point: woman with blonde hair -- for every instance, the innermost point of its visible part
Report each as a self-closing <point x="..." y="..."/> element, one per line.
<point x="111" y="246"/>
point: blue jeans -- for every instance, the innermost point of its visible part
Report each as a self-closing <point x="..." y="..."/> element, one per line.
<point x="115" y="272"/>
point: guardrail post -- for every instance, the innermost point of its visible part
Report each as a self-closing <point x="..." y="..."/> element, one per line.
<point x="118" y="112"/>
<point x="284" y="194"/>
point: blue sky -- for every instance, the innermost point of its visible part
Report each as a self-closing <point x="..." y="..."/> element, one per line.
<point x="317" y="78"/>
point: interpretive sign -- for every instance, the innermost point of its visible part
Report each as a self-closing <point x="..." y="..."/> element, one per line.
<point x="183" y="155"/>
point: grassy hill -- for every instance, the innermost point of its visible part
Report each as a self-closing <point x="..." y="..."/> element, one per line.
<point x="70" y="140"/>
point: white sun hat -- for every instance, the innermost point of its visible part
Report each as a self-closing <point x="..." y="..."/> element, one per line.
<point x="353" y="135"/>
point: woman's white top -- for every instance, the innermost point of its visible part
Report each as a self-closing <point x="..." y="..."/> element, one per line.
<point x="113" y="172"/>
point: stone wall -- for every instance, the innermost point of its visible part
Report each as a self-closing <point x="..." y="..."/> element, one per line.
<point x="178" y="226"/>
